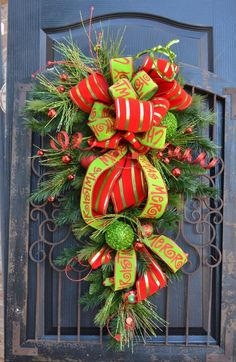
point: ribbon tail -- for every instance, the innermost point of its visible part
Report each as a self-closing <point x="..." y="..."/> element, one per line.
<point x="157" y="198"/>
<point x="125" y="269"/>
<point x="168" y="251"/>
<point x="152" y="280"/>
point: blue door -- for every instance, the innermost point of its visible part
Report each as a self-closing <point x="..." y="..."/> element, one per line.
<point x="44" y="320"/>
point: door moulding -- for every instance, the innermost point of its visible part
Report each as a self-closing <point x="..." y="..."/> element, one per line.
<point x="228" y="355"/>
<point x="17" y="349"/>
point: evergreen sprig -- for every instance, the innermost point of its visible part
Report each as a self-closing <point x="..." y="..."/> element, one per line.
<point x="46" y="95"/>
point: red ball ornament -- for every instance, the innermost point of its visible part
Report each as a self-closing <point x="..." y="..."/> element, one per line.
<point x="176" y="172"/>
<point x="70" y="177"/>
<point x="63" y="77"/>
<point x="40" y="153"/>
<point x="61" y="89"/>
<point x="52" y="113"/>
<point x="166" y="160"/>
<point x="159" y="154"/>
<point x="138" y="246"/>
<point x="129" y="323"/>
<point x="147" y="229"/>
<point x="189" y="130"/>
<point x="118" y="337"/>
<point x="51" y="198"/>
<point x="66" y="159"/>
<point x="86" y="161"/>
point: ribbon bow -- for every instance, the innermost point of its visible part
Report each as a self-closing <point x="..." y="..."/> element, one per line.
<point x="133" y="108"/>
<point x="126" y="120"/>
<point x="126" y="269"/>
<point x="128" y="112"/>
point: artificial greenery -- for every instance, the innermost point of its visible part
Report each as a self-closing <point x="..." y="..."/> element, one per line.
<point x="45" y="96"/>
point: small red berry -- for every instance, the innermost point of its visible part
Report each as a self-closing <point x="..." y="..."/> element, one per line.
<point x="66" y="158"/>
<point x="70" y="177"/>
<point x="63" y="77"/>
<point x="138" y="246"/>
<point x="51" y="198"/>
<point x="40" y="153"/>
<point x="166" y="160"/>
<point x="159" y="154"/>
<point x="176" y="172"/>
<point x="61" y="89"/>
<point x="117" y="337"/>
<point x="52" y="113"/>
<point x="129" y="323"/>
<point x="189" y="130"/>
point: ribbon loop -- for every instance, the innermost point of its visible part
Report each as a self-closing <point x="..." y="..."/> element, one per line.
<point x="96" y="168"/>
<point x="123" y="88"/>
<point x="133" y="115"/>
<point x="154" y="138"/>
<point x="144" y="85"/>
<point x="88" y="90"/>
<point x="121" y="68"/>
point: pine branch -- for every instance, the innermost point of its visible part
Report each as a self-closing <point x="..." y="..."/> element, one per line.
<point x="198" y="114"/>
<point x="110" y="48"/>
<point x="69" y="212"/>
<point x="80" y="229"/>
<point x="56" y="185"/>
<point x="66" y="255"/>
<point x="111" y="306"/>
<point x="78" y="64"/>
<point x="88" y="250"/>
<point x="169" y="221"/>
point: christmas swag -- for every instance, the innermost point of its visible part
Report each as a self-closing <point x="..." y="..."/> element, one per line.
<point x="124" y="146"/>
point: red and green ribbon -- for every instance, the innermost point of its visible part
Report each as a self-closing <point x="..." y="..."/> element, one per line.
<point x="168" y="251"/>
<point x="125" y="269"/>
<point x="96" y="168"/>
<point x="157" y="198"/>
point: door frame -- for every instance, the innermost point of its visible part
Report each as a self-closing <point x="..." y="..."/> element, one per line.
<point x="17" y="163"/>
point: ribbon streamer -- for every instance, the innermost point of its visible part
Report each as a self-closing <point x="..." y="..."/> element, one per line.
<point x="168" y="251"/>
<point x="157" y="198"/>
<point x="125" y="269"/>
<point x="152" y="280"/>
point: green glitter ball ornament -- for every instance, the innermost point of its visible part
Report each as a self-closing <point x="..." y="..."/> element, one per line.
<point x="170" y="122"/>
<point x="119" y="236"/>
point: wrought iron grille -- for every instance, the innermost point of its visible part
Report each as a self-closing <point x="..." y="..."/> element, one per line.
<point x="191" y="304"/>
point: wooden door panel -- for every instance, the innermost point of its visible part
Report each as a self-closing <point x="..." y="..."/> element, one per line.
<point x="195" y="45"/>
<point x="193" y="38"/>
